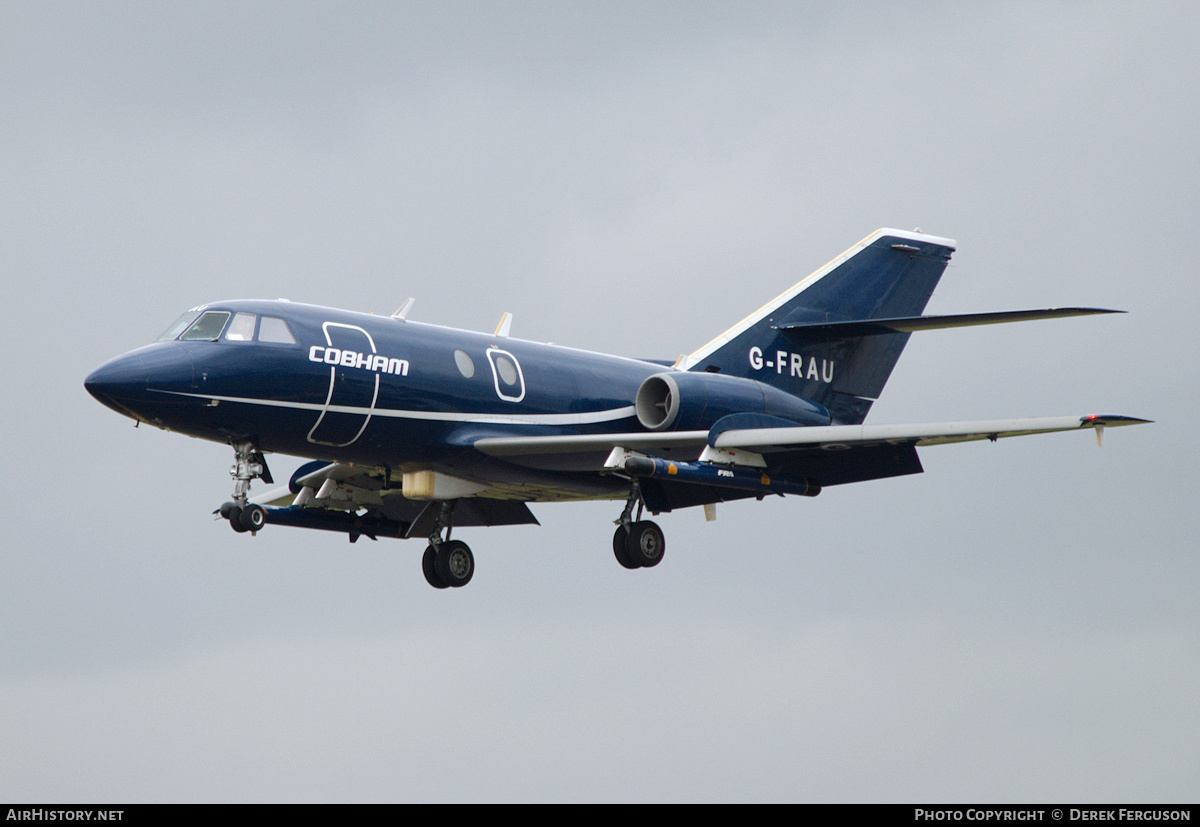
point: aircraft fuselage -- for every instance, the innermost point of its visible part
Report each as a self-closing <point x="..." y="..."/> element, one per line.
<point x="370" y="390"/>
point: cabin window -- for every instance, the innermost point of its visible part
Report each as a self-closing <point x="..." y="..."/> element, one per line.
<point x="275" y="330"/>
<point x="507" y="370"/>
<point x="466" y="366"/>
<point x="241" y="329"/>
<point x="207" y="328"/>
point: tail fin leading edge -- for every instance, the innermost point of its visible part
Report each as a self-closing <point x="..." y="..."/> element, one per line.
<point x="888" y="275"/>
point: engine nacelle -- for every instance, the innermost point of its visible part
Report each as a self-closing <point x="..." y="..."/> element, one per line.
<point x="684" y="401"/>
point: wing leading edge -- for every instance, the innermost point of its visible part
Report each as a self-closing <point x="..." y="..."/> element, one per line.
<point x="775" y="440"/>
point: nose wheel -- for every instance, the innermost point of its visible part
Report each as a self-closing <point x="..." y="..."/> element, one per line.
<point x="249" y="464"/>
<point x="252" y="518"/>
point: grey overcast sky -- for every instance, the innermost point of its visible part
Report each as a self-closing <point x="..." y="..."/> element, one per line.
<point x="1017" y="624"/>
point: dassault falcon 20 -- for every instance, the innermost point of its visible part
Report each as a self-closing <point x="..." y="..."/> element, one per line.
<point x="414" y="429"/>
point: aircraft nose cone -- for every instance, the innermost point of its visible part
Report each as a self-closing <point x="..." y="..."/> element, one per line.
<point x="132" y="384"/>
<point x="117" y="381"/>
<point x="101" y="382"/>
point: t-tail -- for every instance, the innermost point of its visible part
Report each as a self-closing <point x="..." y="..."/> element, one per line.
<point x="834" y="338"/>
<point x="787" y="342"/>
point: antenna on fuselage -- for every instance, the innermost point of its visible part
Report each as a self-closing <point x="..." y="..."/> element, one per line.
<point x="401" y="315"/>
<point x="503" y="327"/>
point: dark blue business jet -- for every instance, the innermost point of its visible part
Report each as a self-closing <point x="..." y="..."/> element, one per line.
<point x="415" y="428"/>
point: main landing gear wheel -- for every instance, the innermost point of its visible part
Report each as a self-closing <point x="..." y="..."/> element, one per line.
<point x="620" y="550"/>
<point x="454" y="563"/>
<point x="645" y="544"/>
<point x="637" y="543"/>
<point x="449" y="564"/>
<point x="430" y="570"/>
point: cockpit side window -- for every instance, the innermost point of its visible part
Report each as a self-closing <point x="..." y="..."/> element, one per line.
<point x="207" y="328"/>
<point x="241" y="329"/>
<point x="178" y="326"/>
<point x="275" y="330"/>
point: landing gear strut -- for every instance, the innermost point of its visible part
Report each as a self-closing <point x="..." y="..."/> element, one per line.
<point x="637" y="543"/>
<point x="447" y="563"/>
<point x="249" y="464"/>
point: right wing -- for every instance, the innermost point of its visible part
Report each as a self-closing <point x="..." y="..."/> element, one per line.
<point x="781" y="439"/>
<point x="824" y="455"/>
<point x="836" y="437"/>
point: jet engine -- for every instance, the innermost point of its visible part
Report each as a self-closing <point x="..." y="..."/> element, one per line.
<point x="683" y="401"/>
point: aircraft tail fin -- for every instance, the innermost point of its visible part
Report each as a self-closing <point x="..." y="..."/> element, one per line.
<point x="811" y="342"/>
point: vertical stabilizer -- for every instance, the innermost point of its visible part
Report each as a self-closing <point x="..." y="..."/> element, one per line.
<point x="787" y="343"/>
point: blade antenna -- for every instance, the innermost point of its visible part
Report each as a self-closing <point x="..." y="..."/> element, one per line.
<point x="401" y="315"/>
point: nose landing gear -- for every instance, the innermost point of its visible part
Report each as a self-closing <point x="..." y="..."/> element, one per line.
<point x="252" y="518"/>
<point x="249" y="464"/>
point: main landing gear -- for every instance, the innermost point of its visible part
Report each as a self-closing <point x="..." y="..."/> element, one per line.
<point x="447" y="563"/>
<point x="637" y="543"/>
<point x="249" y="464"/>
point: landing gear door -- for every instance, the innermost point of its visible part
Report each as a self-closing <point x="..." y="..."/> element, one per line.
<point x="353" y="386"/>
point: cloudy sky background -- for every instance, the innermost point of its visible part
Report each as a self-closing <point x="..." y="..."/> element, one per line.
<point x="1019" y="623"/>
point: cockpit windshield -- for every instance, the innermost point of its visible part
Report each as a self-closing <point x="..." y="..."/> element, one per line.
<point x="206" y="328"/>
<point x="178" y="326"/>
<point x="197" y="326"/>
<point x="241" y="329"/>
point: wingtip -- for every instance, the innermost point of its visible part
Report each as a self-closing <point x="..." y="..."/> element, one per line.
<point x="1111" y="421"/>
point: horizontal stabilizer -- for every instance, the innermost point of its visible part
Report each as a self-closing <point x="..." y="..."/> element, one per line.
<point x="828" y="331"/>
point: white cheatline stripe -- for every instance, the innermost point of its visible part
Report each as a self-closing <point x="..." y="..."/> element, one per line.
<point x="610" y="415"/>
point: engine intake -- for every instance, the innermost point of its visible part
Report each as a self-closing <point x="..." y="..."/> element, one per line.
<point x="685" y="401"/>
<point x="657" y="402"/>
